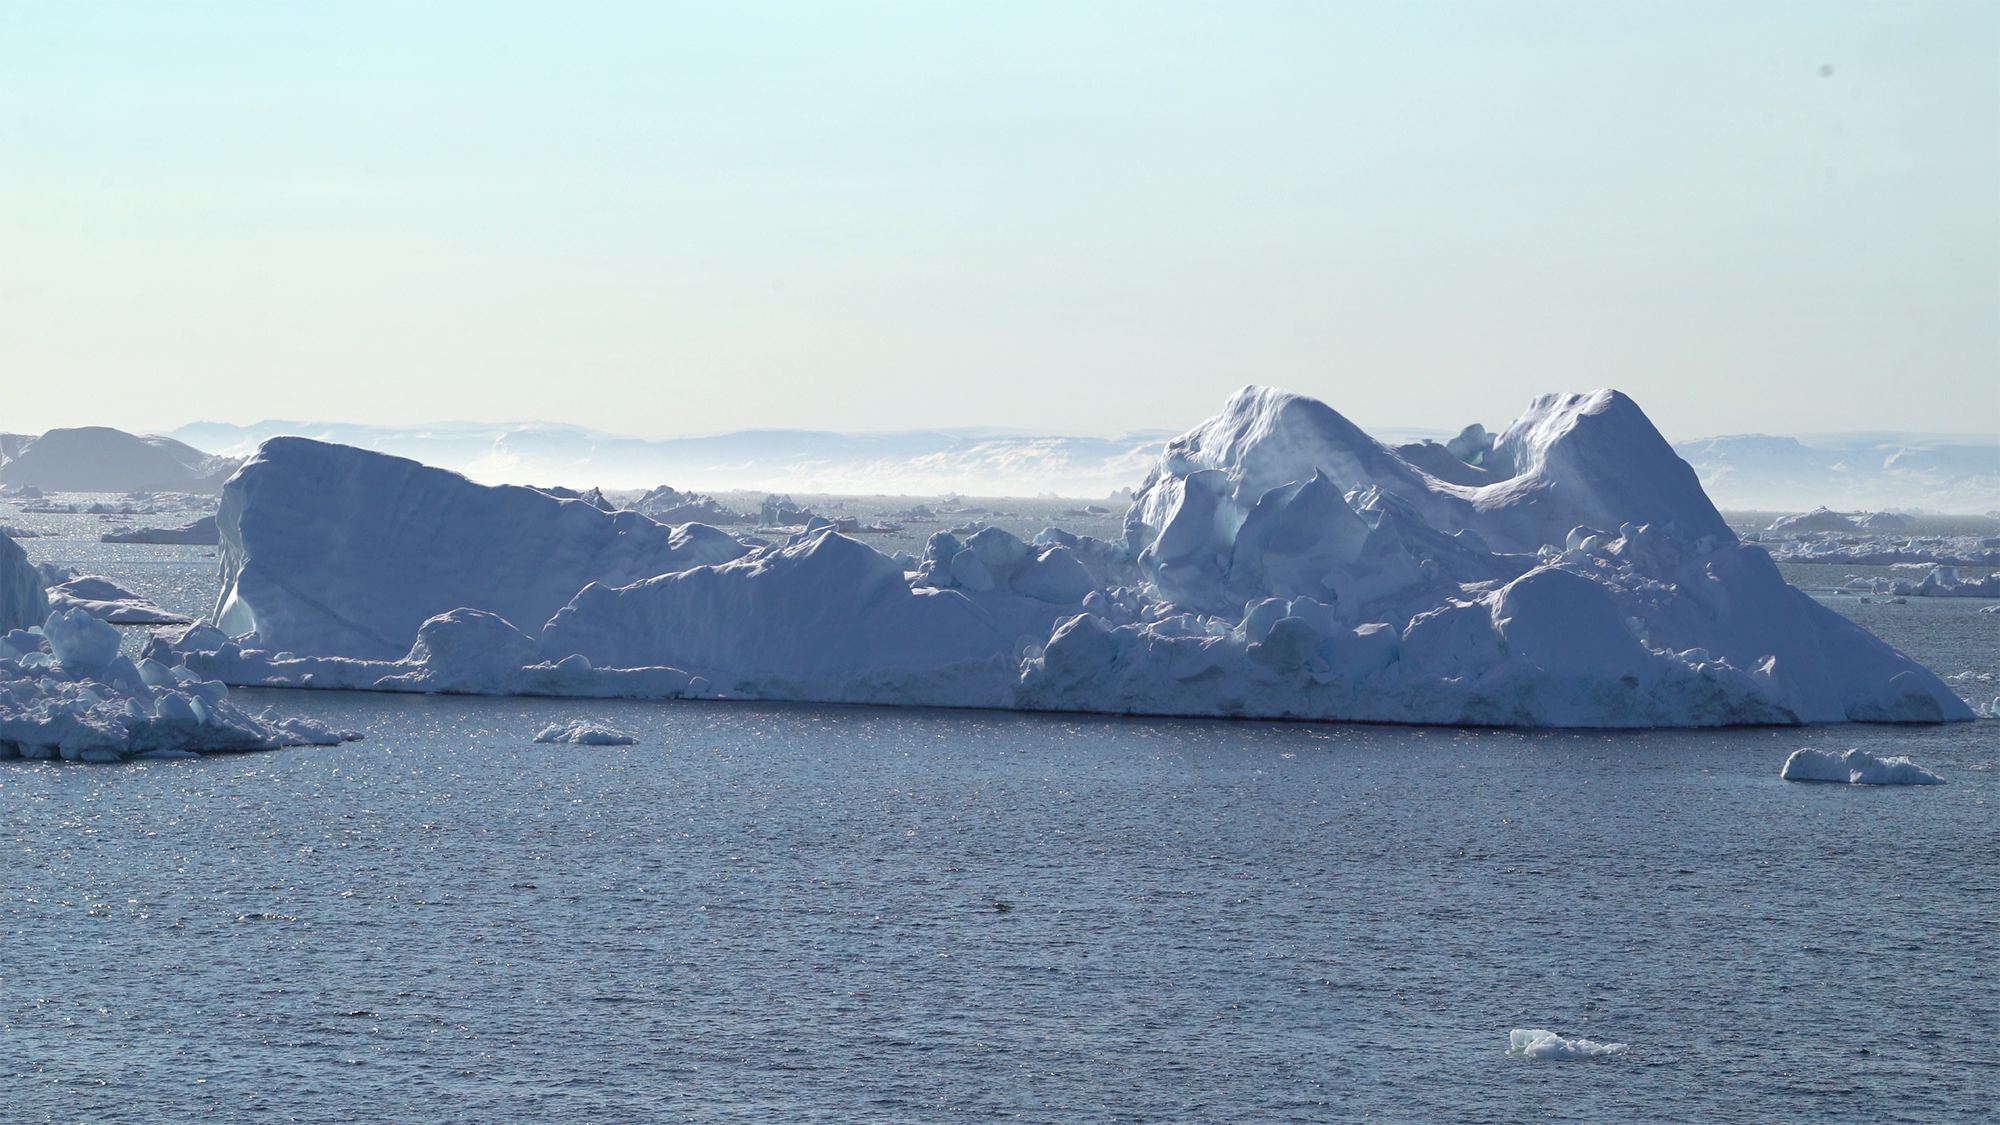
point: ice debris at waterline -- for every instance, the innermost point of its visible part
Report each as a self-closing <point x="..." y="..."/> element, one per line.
<point x="1278" y="562"/>
<point x="66" y="693"/>
<point x="1855" y="767"/>
<point x="1536" y="1043"/>
<point x="581" y="732"/>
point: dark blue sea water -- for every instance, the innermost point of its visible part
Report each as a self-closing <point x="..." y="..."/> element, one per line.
<point x="769" y="913"/>
<point x="796" y="913"/>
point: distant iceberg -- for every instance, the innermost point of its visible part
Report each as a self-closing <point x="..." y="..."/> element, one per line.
<point x="200" y="533"/>
<point x="101" y="459"/>
<point x="1855" y="767"/>
<point x="1536" y="1043"/>
<point x="1277" y="562"/>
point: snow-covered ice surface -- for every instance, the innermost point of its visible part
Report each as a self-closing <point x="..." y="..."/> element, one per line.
<point x="331" y="550"/>
<point x="1278" y="562"/>
<point x="585" y="732"/>
<point x="1536" y="1043"/>
<point x="1855" y="767"/>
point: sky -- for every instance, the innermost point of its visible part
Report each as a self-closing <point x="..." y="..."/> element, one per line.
<point x="1079" y="218"/>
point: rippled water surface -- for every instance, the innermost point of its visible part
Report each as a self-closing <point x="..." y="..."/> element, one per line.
<point x="794" y="913"/>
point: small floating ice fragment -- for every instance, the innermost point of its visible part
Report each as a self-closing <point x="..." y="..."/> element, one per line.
<point x="1855" y="767"/>
<point x="582" y="732"/>
<point x="1537" y="1043"/>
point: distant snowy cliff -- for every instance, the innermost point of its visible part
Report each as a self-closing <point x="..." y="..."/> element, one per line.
<point x="1871" y="471"/>
<point x="1277" y="562"/>
<point x="101" y="459"/>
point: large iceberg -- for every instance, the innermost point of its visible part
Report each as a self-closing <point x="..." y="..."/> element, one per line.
<point x="200" y="533"/>
<point x="1277" y="562"/>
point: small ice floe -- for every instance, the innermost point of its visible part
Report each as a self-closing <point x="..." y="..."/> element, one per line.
<point x="582" y="732"/>
<point x="1536" y="1043"/>
<point x="1855" y="767"/>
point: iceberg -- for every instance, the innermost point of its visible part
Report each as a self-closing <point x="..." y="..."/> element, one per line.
<point x="66" y="693"/>
<point x="582" y="732"/>
<point x="106" y="600"/>
<point x="331" y="550"/>
<point x="1825" y="519"/>
<point x="1277" y="562"/>
<point x="1536" y="1043"/>
<point x="200" y="533"/>
<point x="23" y="596"/>
<point x="1855" y="767"/>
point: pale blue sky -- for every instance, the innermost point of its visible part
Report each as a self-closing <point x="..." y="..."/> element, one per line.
<point x="1085" y="218"/>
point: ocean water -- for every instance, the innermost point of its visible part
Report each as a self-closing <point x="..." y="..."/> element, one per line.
<point x="766" y="912"/>
<point x="800" y="913"/>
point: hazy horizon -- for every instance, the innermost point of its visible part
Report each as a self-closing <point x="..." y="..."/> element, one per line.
<point x="1074" y="218"/>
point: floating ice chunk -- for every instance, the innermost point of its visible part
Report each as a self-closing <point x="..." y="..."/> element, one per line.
<point x="1537" y="1043"/>
<point x="1855" y="767"/>
<point x="581" y="732"/>
<point x="328" y="550"/>
<point x="81" y="641"/>
<point x="1279" y="563"/>
<point x="308" y="733"/>
<point x="106" y="600"/>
